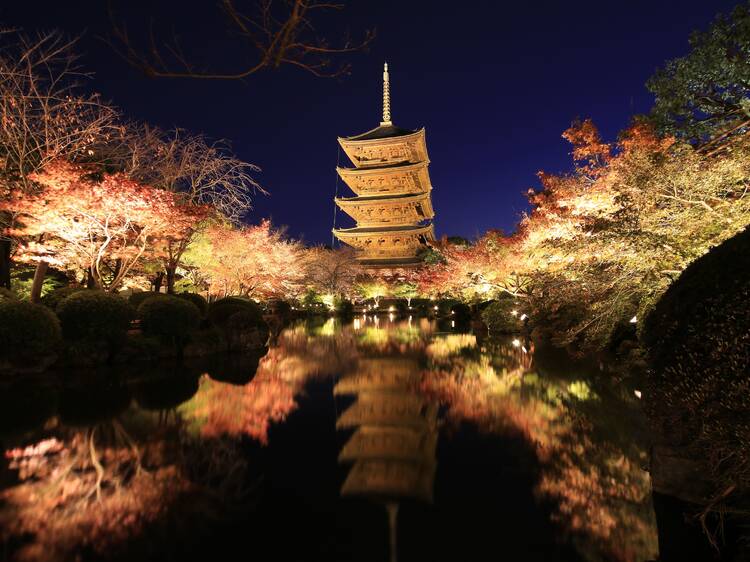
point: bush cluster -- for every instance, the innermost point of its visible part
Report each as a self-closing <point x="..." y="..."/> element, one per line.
<point x="171" y="319"/>
<point x="95" y="317"/>
<point x="136" y="299"/>
<point x="197" y="300"/>
<point x="698" y="343"/>
<point x="53" y="298"/>
<point x="27" y="330"/>
<point x="344" y="308"/>
<point x="221" y="310"/>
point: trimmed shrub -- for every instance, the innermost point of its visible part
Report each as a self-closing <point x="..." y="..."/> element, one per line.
<point x="140" y="347"/>
<point x="171" y="319"/>
<point x="698" y="343"/>
<point x="197" y="300"/>
<point x="53" y="298"/>
<point x="499" y="317"/>
<point x="27" y="331"/>
<point x="220" y="311"/>
<point x="136" y="299"/>
<point x="245" y="320"/>
<point x="444" y="307"/>
<point x="246" y="330"/>
<point x="95" y="316"/>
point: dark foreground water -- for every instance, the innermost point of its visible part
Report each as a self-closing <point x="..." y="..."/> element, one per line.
<point x="371" y="441"/>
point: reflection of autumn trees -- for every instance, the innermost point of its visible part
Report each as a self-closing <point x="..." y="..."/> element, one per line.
<point x="600" y="493"/>
<point x="225" y="409"/>
<point x="101" y="475"/>
<point x="301" y="354"/>
<point x="100" y="488"/>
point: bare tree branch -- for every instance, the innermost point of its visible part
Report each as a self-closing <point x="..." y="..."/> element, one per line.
<point x="205" y="172"/>
<point x="275" y="32"/>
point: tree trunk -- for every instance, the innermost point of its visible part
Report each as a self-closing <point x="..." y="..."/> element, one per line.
<point x="36" y="286"/>
<point x="171" y="273"/>
<point x="5" y="263"/>
<point x="90" y="279"/>
<point x="157" y="281"/>
<point x="116" y="271"/>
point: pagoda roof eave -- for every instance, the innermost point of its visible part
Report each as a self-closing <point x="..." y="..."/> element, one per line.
<point x="400" y="197"/>
<point x="357" y="139"/>
<point x="380" y="133"/>
<point x="388" y="168"/>
<point x="394" y="230"/>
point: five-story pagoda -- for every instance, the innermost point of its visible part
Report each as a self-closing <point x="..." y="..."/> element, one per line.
<point x="392" y="206"/>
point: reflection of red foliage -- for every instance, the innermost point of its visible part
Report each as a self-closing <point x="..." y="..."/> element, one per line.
<point x="226" y="409"/>
<point x="600" y="492"/>
<point x="473" y="399"/>
<point x="245" y="410"/>
<point x="54" y="509"/>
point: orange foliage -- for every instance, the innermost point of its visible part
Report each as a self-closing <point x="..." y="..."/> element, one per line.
<point x="473" y="271"/>
<point x="252" y="261"/>
<point x="103" y="225"/>
<point x="588" y="149"/>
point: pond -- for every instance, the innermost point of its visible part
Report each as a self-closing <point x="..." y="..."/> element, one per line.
<point x="373" y="440"/>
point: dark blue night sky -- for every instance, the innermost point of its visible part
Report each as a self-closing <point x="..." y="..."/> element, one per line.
<point x="494" y="83"/>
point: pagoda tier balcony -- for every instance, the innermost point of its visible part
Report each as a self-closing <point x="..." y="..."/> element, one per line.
<point x="394" y="245"/>
<point x="386" y="146"/>
<point x="401" y="210"/>
<point x="399" y="179"/>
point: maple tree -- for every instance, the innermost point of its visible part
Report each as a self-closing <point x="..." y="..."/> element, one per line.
<point x="406" y="289"/>
<point x="254" y="261"/>
<point x="604" y="241"/>
<point x="269" y="33"/>
<point x="331" y="272"/>
<point x="102" y="225"/>
<point x="475" y="271"/>
<point x="44" y="116"/>
<point x="372" y="288"/>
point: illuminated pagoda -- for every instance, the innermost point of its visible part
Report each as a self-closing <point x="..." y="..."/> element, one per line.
<point x="392" y="206"/>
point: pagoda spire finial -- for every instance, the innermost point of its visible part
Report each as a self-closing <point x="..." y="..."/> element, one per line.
<point x="386" y="97"/>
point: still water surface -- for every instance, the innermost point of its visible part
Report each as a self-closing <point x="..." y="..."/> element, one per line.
<point x="376" y="440"/>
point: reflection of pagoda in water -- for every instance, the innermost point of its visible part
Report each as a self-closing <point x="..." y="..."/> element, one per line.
<point x="392" y="206"/>
<point x="392" y="450"/>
